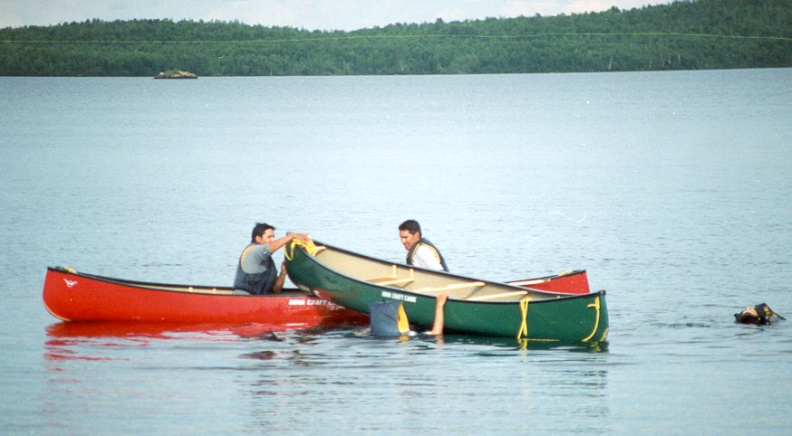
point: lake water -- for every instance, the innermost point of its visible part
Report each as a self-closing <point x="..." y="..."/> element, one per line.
<point x="672" y="189"/>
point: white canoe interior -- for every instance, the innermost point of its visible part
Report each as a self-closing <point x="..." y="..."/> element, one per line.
<point x="420" y="281"/>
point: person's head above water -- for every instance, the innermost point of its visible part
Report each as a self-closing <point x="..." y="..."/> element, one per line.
<point x="759" y="314"/>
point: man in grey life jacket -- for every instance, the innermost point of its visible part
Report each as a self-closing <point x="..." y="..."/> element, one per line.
<point x="420" y="252"/>
<point x="256" y="272"/>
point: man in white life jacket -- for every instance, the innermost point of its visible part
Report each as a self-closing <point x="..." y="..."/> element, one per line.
<point x="420" y="252"/>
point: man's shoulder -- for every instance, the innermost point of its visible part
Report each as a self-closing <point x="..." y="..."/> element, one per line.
<point x="426" y="246"/>
<point x="428" y="254"/>
<point x="258" y="250"/>
<point x="423" y="246"/>
<point x="424" y="241"/>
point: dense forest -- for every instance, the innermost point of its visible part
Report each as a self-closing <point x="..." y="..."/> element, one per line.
<point x="703" y="34"/>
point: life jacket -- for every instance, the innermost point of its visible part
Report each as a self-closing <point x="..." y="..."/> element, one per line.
<point x="766" y="315"/>
<point x="255" y="283"/>
<point x="424" y="241"/>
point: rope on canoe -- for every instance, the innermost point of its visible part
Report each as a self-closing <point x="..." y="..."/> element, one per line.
<point x="309" y="246"/>
<point x="524" y="325"/>
<point x="596" y="306"/>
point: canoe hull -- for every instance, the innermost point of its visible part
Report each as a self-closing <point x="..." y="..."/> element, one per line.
<point x="71" y="296"/>
<point x="546" y="317"/>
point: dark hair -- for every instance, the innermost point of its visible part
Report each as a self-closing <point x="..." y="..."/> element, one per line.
<point x="746" y="317"/>
<point x="411" y="226"/>
<point x="259" y="230"/>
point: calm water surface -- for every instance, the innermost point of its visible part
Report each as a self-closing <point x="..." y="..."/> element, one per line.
<point x="671" y="189"/>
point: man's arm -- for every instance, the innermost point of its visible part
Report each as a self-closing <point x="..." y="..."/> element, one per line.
<point x="280" y="242"/>
<point x="437" y="328"/>
<point x="277" y="287"/>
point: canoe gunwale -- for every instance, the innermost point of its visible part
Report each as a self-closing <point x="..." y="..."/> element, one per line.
<point x="225" y="291"/>
<point x="540" y="280"/>
<point x="471" y="281"/>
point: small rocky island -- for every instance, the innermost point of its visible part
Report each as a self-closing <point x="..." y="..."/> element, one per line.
<point x="176" y="74"/>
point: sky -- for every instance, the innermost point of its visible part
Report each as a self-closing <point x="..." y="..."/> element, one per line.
<point x="302" y="14"/>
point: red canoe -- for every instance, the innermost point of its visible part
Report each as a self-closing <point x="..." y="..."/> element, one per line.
<point x="73" y="296"/>
<point x="569" y="282"/>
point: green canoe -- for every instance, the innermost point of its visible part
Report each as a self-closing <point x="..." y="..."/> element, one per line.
<point x="474" y="306"/>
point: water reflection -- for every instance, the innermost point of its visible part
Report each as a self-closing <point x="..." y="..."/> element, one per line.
<point x="522" y="344"/>
<point x="107" y="340"/>
<point x="425" y="379"/>
<point x="269" y="371"/>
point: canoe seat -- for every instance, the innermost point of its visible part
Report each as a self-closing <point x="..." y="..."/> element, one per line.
<point x="392" y="282"/>
<point x="500" y="295"/>
<point x="450" y="287"/>
<point x="393" y="279"/>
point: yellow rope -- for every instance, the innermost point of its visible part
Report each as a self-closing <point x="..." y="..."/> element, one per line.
<point x="524" y="325"/>
<point x="596" y="306"/>
<point x="309" y="246"/>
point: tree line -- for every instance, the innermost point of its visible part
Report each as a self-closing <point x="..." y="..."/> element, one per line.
<point x="704" y="34"/>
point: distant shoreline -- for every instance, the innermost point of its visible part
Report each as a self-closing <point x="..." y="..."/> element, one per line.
<point x="694" y="35"/>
